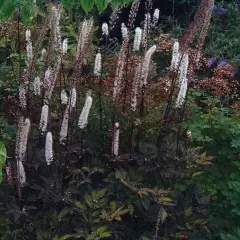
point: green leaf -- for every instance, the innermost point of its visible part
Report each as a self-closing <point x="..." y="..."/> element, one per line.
<point x="65" y="237"/>
<point x="26" y="12"/>
<point x="87" y="5"/>
<point x="114" y="4"/>
<point x="3" y="154"/>
<point x="7" y="10"/>
<point x="101" y="4"/>
<point x="163" y="214"/>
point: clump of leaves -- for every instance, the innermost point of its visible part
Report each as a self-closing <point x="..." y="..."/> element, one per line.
<point x="218" y="132"/>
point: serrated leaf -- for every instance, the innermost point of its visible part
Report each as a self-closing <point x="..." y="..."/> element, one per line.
<point x="105" y="234"/>
<point x="101" y="4"/>
<point x="65" y="237"/>
<point x="197" y="174"/>
<point x="79" y="205"/>
<point x="7" y="10"/>
<point x="164" y="214"/>
<point x="87" y="5"/>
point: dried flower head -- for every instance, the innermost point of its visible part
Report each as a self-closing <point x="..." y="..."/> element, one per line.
<point x="199" y="26"/>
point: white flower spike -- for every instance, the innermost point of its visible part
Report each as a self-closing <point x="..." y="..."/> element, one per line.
<point x="83" y="119"/>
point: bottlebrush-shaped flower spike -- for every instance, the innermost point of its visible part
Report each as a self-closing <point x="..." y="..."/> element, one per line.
<point x="21" y="173"/>
<point x="146" y="63"/>
<point x="65" y="46"/>
<point x="98" y="65"/>
<point x="44" y="118"/>
<point x="175" y="57"/>
<point x="156" y="16"/>
<point x="124" y="30"/>
<point x="83" y="119"/>
<point x="43" y="52"/>
<point x="182" y="94"/>
<point x="37" y="86"/>
<point x="64" y="127"/>
<point x="105" y="29"/>
<point x="183" y="69"/>
<point x="64" y="97"/>
<point x="49" y="148"/>
<point x="73" y="97"/>
<point x="137" y="39"/>
<point x="135" y="87"/>
<point x="116" y="134"/>
<point x="22" y="138"/>
<point x="119" y="71"/>
<point x="29" y="45"/>
<point x="146" y="29"/>
<point x="182" y="81"/>
<point x="83" y="42"/>
<point x="22" y="96"/>
<point x="55" y="25"/>
<point x="28" y="35"/>
<point x="47" y="79"/>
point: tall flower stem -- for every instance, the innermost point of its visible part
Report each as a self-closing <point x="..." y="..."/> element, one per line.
<point x="181" y="117"/>
<point x="100" y="93"/>
<point x="141" y="114"/>
<point x="166" y="114"/>
<point x="126" y="77"/>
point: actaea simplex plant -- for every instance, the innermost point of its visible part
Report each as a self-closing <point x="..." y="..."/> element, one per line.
<point x="51" y="82"/>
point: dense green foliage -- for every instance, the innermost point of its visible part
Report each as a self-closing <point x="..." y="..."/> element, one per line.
<point x="29" y="9"/>
<point x="218" y="132"/>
